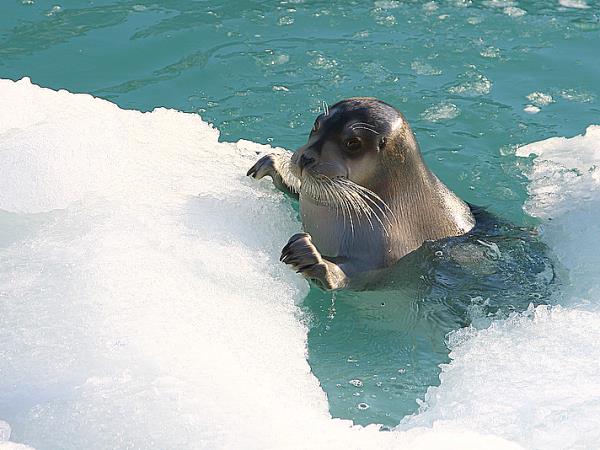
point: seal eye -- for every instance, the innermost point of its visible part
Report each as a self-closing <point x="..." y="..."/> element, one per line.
<point x="316" y="126"/>
<point x="353" y="145"/>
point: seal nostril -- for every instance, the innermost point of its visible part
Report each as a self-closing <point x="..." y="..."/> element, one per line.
<point x="305" y="161"/>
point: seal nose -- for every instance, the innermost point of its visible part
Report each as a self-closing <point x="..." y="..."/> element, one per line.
<point x="304" y="161"/>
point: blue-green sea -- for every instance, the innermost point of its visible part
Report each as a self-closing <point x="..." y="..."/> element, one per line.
<point x="476" y="80"/>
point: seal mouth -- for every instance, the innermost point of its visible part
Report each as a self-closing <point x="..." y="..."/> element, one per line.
<point x="320" y="171"/>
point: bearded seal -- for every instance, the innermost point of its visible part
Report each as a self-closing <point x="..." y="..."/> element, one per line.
<point x="366" y="196"/>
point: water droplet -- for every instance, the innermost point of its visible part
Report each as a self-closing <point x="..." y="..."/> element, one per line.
<point x="356" y="383"/>
<point x="285" y="20"/>
<point x="55" y="9"/>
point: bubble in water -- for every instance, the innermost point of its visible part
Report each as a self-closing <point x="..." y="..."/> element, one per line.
<point x="576" y="96"/>
<point x="499" y="3"/>
<point x="423" y="68"/>
<point x="513" y="11"/>
<point x="363" y="406"/>
<point x="383" y="19"/>
<point x="272" y="58"/>
<point x="356" y="383"/>
<point x="322" y="62"/>
<point x="540" y="99"/>
<point x="430" y="6"/>
<point x="474" y="20"/>
<point x="387" y="4"/>
<point x="285" y="20"/>
<point x="55" y="9"/>
<point x="442" y="111"/>
<point x="490" y="52"/>
<point x="474" y="84"/>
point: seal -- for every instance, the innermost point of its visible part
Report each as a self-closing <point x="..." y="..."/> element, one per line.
<point x="367" y="198"/>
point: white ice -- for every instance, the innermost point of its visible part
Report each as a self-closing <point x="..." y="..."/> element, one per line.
<point x="142" y="304"/>
<point x="578" y="4"/>
<point x="534" y="378"/>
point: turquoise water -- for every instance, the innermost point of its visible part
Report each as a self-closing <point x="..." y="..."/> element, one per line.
<point x="461" y="72"/>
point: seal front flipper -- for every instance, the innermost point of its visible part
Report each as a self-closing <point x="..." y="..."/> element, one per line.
<point x="303" y="256"/>
<point x="276" y="166"/>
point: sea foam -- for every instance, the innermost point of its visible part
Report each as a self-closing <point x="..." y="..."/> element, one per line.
<point x="142" y="304"/>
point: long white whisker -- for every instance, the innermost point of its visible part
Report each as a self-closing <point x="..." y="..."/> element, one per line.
<point x="364" y="128"/>
<point x="368" y="201"/>
<point x="345" y="203"/>
<point x="349" y="198"/>
<point x="361" y="207"/>
<point x="372" y="198"/>
<point x="376" y="200"/>
<point x="354" y="201"/>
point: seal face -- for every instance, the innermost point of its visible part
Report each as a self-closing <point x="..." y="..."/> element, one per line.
<point x="366" y="196"/>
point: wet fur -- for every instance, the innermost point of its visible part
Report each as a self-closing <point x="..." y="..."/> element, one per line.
<point x="397" y="204"/>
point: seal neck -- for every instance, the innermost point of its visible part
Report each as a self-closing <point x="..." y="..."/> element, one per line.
<point x="423" y="207"/>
